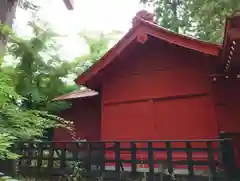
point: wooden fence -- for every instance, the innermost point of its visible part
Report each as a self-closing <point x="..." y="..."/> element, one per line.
<point x="161" y="159"/>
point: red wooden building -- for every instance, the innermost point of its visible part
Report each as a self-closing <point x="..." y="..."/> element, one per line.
<point x="158" y="85"/>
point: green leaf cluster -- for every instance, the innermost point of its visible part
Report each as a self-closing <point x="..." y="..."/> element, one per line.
<point x="98" y="44"/>
<point x="17" y="123"/>
<point x="38" y="71"/>
<point x="35" y="76"/>
<point x="27" y="88"/>
<point x="204" y="19"/>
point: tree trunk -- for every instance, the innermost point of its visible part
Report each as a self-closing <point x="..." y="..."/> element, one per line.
<point x="7" y="14"/>
<point x="174" y="5"/>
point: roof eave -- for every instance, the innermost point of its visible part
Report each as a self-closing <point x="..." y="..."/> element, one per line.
<point x="111" y="54"/>
<point x="153" y="30"/>
<point x="76" y="95"/>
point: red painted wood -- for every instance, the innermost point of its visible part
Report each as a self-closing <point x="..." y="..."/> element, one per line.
<point x="124" y="122"/>
<point x="156" y="74"/>
<point x="226" y="94"/>
<point x="147" y="28"/>
<point x="142" y="38"/>
<point x="181" y="40"/>
<point x="147" y="92"/>
<point x="154" y="71"/>
<point x="86" y="115"/>
<point x="108" y="57"/>
<point x="236" y="144"/>
<point x="191" y="118"/>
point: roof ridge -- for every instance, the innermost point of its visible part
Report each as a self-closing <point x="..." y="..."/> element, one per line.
<point x="144" y="25"/>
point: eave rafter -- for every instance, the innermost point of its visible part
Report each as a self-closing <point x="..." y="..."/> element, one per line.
<point x="225" y="76"/>
<point x="142" y="38"/>
<point x="144" y="27"/>
<point x="230" y="56"/>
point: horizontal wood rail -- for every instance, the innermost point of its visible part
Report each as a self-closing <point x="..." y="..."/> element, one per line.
<point x="167" y="98"/>
<point x="124" y="141"/>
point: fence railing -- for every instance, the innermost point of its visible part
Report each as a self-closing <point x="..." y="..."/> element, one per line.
<point x="161" y="159"/>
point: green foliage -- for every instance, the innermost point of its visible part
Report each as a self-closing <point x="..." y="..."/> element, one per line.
<point x="7" y="178"/>
<point x="18" y="123"/>
<point x="205" y="19"/>
<point x="210" y="16"/>
<point x="171" y="14"/>
<point x="78" y="172"/>
<point x="98" y="45"/>
<point x="34" y="78"/>
<point x="25" y="91"/>
<point x="38" y="75"/>
<point x="5" y="144"/>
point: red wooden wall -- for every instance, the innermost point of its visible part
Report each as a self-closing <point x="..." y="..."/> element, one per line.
<point x="226" y="94"/>
<point x="86" y="115"/>
<point x="158" y="91"/>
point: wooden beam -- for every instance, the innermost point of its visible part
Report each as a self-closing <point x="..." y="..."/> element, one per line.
<point x="225" y="76"/>
<point x="234" y="34"/>
<point x="68" y="4"/>
<point x="174" y="97"/>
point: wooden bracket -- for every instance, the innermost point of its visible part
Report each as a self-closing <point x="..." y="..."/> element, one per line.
<point x="142" y="38"/>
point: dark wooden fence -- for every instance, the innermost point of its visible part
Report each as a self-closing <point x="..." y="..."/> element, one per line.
<point x="159" y="159"/>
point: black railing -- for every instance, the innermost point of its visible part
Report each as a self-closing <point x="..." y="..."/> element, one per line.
<point x="156" y="160"/>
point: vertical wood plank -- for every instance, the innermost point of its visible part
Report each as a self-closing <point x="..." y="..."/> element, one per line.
<point x="63" y="157"/>
<point x="169" y="157"/>
<point x="50" y="158"/>
<point x="150" y="161"/>
<point x="40" y="155"/>
<point x="102" y="152"/>
<point x="189" y="159"/>
<point x="75" y="149"/>
<point x="133" y="157"/>
<point x="211" y="161"/>
<point x="89" y="157"/>
<point x="29" y="154"/>
<point x="117" y="160"/>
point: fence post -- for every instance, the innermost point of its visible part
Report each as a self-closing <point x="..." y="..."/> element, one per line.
<point x="117" y="160"/>
<point x="51" y="158"/>
<point x="40" y="155"/>
<point x="228" y="157"/>
<point x="89" y="157"/>
<point x="211" y="161"/>
<point x="134" y="158"/>
<point x="150" y="162"/>
<point x="8" y="167"/>
<point x="189" y="159"/>
<point x="63" y="157"/>
<point x="102" y="163"/>
<point x="169" y="157"/>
